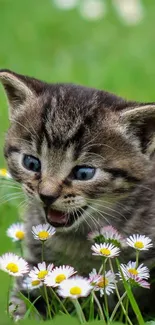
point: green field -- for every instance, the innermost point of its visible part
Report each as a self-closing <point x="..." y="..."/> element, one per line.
<point x="39" y="40"/>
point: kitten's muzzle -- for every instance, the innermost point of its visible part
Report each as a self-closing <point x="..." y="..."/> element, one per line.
<point x="48" y="200"/>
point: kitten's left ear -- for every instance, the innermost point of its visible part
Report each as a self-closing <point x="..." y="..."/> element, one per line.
<point x="18" y="89"/>
<point x="140" y="121"/>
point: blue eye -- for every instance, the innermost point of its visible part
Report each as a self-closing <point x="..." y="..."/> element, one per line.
<point x="32" y="163"/>
<point x="83" y="173"/>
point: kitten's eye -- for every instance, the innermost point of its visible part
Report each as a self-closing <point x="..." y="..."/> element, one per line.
<point x="83" y="173"/>
<point x="32" y="163"/>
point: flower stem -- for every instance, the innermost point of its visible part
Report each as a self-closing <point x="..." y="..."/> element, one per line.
<point x="99" y="307"/>
<point x="91" y="309"/>
<point x="119" y="297"/>
<point x="47" y="301"/>
<point x="42" y="252"/>
<point x="137" y="258"/>
<point x="79" y="311"/>
<point x="105" y="294"/>
<point x="117" y="306"/>
<point x="127" y="308"/>
<point x="60" y="302"/>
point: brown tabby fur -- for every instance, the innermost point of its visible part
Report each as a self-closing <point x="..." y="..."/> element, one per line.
<point x="66" y="125"/>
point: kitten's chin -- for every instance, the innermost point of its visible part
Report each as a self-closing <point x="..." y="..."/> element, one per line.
<point x="62" y="219"/>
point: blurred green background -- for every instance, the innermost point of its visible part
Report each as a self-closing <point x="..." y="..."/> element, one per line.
<point x="39" y="39"/>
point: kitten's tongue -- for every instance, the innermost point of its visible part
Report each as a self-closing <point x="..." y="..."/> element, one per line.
<point x="55" y="216"/>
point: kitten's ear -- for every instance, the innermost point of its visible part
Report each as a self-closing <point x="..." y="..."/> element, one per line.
<point x="140" y="121"/>
<point x="18" y="89"/>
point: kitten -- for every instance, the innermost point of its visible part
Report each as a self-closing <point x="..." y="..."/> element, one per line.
<point x="83" y="157"/>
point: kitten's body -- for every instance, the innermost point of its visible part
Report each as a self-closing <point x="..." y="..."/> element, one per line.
<point x="65" y="127"/>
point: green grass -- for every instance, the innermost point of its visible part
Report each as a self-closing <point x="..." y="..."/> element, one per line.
<point x="39" y="40"/>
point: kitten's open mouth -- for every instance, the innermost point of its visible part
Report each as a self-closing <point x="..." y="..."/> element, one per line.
<point x="62" y="219"/>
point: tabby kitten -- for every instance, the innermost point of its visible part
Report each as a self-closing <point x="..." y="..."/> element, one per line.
<point x="83" y="157"/>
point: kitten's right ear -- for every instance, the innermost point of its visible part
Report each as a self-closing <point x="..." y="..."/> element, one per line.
<point x="18" y="89"/>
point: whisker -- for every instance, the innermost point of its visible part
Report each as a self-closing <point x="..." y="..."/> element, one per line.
<point x="106" y="207"/>
<point x="9" y="199"/>
<point x="101" y="214"/>
<point x="122" y="206"/>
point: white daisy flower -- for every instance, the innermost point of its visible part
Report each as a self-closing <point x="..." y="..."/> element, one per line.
<point x="66" y="4"/>
<point x="107" y="234"/>
<point x="92" y="9"/>
<point x="110" y="233"/>
<point x="13" y="264"/>
<point x="135" y="280"/>
<point x="31" y="283"/>
<point x="94" y="235"/>
<point x="16" y="231"/>
<point x="75" y="287"/>
<point x="104" y="284"/>
<point x="142" y="283"/>
<point x="94" y="277"/>
<point x="58" y="275"/>
<point x="43" y="232"/>
<point x="130" y="11"/>
<point x="41" y="271"/>
<point x="106" y="250"/>
<point x="4" y="173"/>
<point x="130" y="269"/>
<point x="139" y="242"/>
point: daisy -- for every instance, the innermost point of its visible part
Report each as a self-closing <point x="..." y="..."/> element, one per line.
<point x="142" y="283"/>
<point x="137" y="281"/>
<point x="95" y="236"/>
<point x="111" y="235"/>
<point x="43" y="232"/>
<point x="94" y="277"/>
<point x="13" y="264"/>
<point x="75" y="287"/>
<point x="139" y="242"/>
<point x="106" y="234"/>
<point x="31" y="284"/>
<point x="104" y="284"/>
<point x="41" y="271"/>
<point x="4" y="173"/>
<point x="141" y="271"/>
<point x="58" y="275"/>
<point x="16" y="231"/>
<point x="106" y="250"/>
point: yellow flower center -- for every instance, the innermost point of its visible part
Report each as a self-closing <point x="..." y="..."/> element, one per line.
<point x="103" y="282"/>
<point x="12" y="267"/>
<point x="139" y="244"/>
<point x="105" y="251"/>
<point x="59" y="278"/>
<point x="42" y="274"/>
<point x="43" y="235"/>
<point x="35" y="283"/>
<point x="133" y="271"/>
<point x="20" y="234"/>
<point x="3" y="172"/>
<point x="75" y="291"/>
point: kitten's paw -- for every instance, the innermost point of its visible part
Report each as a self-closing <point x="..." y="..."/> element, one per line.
<point x="17" y="309"/>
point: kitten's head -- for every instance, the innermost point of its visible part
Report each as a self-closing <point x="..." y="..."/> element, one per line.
<point x="72" y="148"/>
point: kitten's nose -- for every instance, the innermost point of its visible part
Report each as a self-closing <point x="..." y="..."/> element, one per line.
<point x="48" y="200"/>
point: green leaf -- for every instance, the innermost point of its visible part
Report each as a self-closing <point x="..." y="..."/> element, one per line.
<point x="30" y="305"/>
